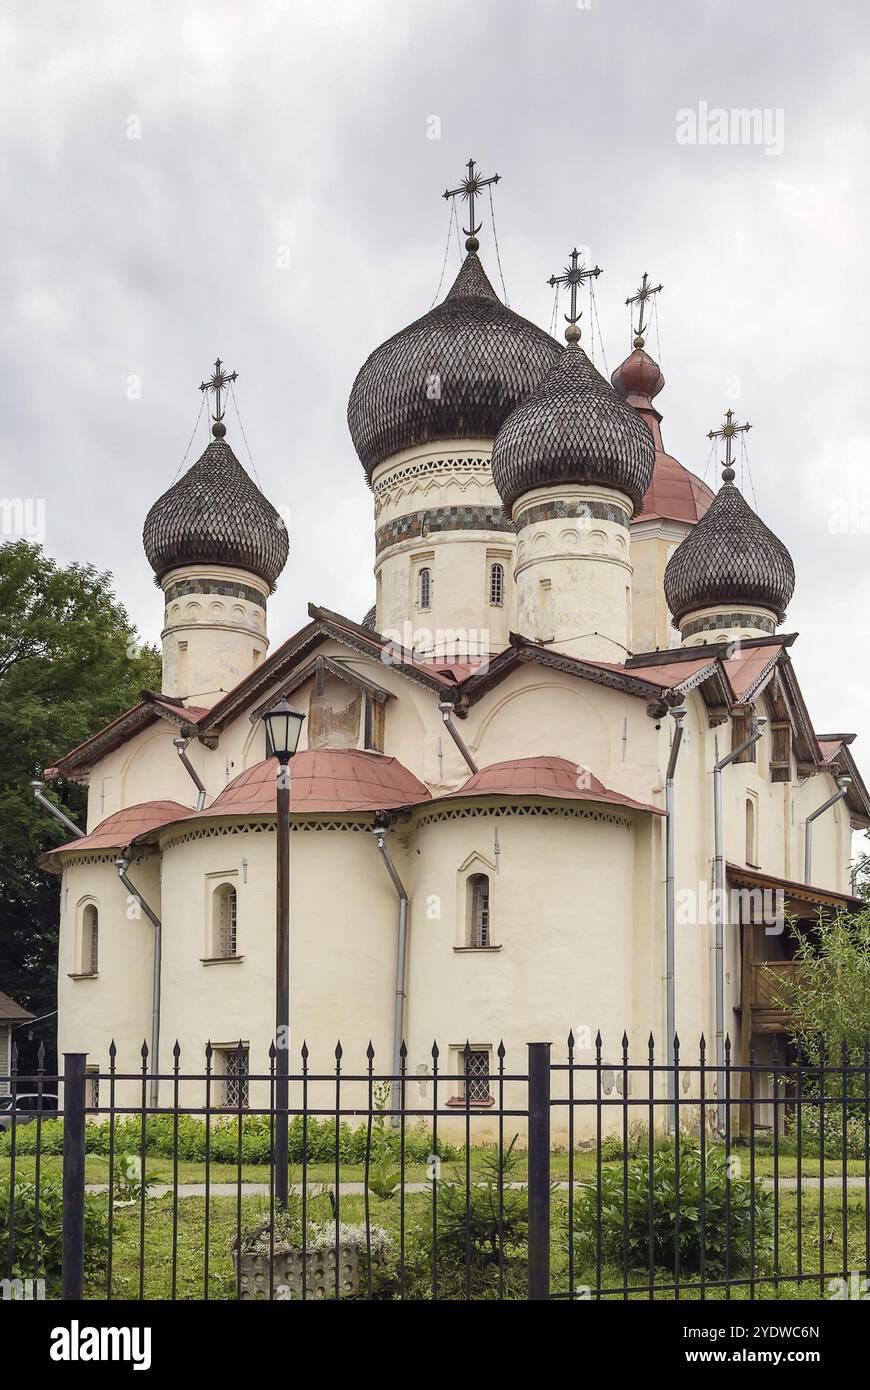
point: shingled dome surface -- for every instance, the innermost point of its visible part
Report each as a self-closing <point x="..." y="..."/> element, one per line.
<point x="323" y="779"/>
<point x="456" y="373"/>
<point x="729" y="557"/>
<point x="216" y="515"/>
<point x="573" y="429"/>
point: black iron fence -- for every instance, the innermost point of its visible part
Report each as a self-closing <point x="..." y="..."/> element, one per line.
<point x="583" y="1175"/>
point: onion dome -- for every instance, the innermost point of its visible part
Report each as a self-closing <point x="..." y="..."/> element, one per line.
<point x="674" y="494"/>
<point x="574" y="428"/>
<point x="455" y="373"/>
<point x="216" y="515"/>
<point x="730" y="557"/>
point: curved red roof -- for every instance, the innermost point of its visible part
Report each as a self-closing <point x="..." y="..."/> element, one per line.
<point x="323" y="779"/>
<point x="122" y="827"/>
<point x="674" y="493"/>
<point x="553" y="777"/>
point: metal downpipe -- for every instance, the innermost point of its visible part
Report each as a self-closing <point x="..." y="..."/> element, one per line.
<point x="379" y="833"/>
<point x="122" y="864"/>
<point x="844" y="783"/>
<point x="679" y="715"/>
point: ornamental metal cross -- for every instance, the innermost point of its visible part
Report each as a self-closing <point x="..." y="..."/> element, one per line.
<point x="643" y="297"/>
<point x="727" y="432"/>
<point x="218" y="382"/>
<point x="574" y="275"/>
<point x="469" y="188"/>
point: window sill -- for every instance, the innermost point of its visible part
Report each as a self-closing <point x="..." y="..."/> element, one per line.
<point x="220" y="960"/>
<point x="460" y="1103"/>
<point x="483" y="950"/>
<point x="84" y="975"/>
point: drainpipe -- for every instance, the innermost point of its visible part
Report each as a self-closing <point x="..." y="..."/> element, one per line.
<point x="379" y="832"/>
<point x="180" y="745"/>
<point x="844" y="783"/>
<point x="55" y="811"/>
<point x="122" y="864"/>
<point x="447" y="711"/>
<point x="719" y="894"/>
<point x="679" y="714"/>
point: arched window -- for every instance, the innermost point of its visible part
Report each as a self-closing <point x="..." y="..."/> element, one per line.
<point x="496" y="584"/>
<point x="424" y="588"/>
<point x="225" y="906"/>
<point x="478" y="910"/>
<point x="751" y="851"/>
<point x="90" y="940"/>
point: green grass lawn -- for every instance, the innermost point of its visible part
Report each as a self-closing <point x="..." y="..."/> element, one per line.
<point x="191" y="1277"/>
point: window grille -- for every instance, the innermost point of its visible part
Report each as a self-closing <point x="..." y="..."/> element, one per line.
<point x="235" y="1080"/>
<point x="90" y="941"/>
<point x="476" y="1075"/>
<point x="496" y="584"/>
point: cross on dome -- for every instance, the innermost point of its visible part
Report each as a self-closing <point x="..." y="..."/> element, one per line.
<point x="643" y="296"/>
<point x="573" y="276"/>
<point x="218" y="382"/>
<point x="468" y="189"/>
<point x="727" y="432"/>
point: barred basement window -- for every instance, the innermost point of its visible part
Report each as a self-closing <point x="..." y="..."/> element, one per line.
<point x="476" y="1076"/>
<point x="92" y="1085"/>
<point x="478" y="910"/>
<point x="90" y="940"/>
<point x="225" y="915"/>
<point x="496" y="584"/>
<point x="424" y="588"/>
<point x="235" y="1078"/>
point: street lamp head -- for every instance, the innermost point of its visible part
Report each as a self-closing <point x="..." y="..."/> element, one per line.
<point x="283" y="726"/>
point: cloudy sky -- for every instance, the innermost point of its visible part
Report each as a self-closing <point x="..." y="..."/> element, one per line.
<point x="262" y="181"/>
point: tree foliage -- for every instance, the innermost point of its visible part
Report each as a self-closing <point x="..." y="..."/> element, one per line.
<point x="70" y="662"/>
<point x="830" y="997"/>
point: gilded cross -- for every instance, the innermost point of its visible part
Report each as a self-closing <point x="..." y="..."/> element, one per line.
<point x="727" y="432"/>
<point x="218" y="382"/>
<point x="644" y="295"/>
<point x="469" y="188"/>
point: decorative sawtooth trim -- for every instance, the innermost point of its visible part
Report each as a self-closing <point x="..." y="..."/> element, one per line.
<point x="425" y="468"/>
<point x="614" y="680"/>
<point x="556" y="510"/>
<point x="509" y="812"/>
<point x="438" y="520"/>
<point x="224" y="588"/>
<point x="215" y="832"/>
<point x="715" y="621"/>
<point x="100" y="857"/>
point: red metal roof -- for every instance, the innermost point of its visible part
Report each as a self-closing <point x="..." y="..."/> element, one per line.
<point x="554" y="777"/>
<point x="744" y="670"/>
<point x="323" y="779"/>
<point x="674" y="493"/>
<point x="123" y="827"/>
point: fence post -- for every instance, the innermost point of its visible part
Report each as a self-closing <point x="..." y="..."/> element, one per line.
<point x="539" y="1170"/>
<point x="73" y="1226"/>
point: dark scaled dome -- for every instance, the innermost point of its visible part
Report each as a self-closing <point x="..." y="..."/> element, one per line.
<point x="215" y="515"/>
<point x="574" y="428"/>
<point x="456" y="373"/>
<point x="730" y="557"/>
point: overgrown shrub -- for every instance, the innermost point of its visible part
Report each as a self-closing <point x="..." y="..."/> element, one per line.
<point x="726" y="1220"/>
<point x="50" y="1212"/>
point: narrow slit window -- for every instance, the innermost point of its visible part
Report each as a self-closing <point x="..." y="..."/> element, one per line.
<point x="476" y="1076"/>
<point x="496" y="585"/>
<point x="225" y="922"/>
<point x="424" y="588"/>
<point x="235" y="1078"/>
<point x="478" y="905"/>
<point x="90" y="940"/>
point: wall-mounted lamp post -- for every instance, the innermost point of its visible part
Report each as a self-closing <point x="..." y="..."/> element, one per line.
<point x="283" y="726"/>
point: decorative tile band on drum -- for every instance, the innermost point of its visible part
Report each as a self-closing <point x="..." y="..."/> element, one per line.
<point x="224" y="588"/>
<point x="715" y="621"/>
<point x="556" y="510"/>
<point x="418" y="525"/>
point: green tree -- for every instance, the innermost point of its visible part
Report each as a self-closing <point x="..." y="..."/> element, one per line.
<point x="830" y="998"/>
<point x="70" y="662"/>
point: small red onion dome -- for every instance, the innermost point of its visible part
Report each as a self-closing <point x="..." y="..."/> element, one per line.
<point x="638" y="375"/>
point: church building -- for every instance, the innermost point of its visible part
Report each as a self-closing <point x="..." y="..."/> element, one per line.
<point x="514" y="808"/>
